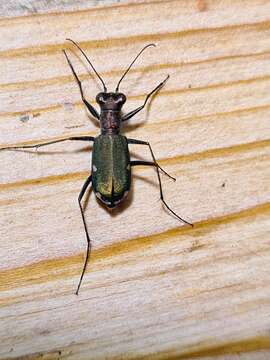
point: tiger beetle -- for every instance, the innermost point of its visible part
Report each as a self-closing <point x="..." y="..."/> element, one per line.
<point x="111" y="164"/>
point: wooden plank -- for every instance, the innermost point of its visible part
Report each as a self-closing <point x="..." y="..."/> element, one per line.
<point x="154" y="289"/>
<point x="29" y="7"/>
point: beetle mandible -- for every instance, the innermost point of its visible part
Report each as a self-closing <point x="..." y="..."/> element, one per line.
<point x="111" y="164"/>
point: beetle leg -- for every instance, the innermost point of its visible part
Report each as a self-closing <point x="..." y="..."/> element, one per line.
<point x="154" y="163"/>
<point x="91" y="108"/>
<point x="150" y="163"/>
<point x="85" y="186"/>
<point x="134" y="112"/>
<point x="140" y="142"/>
<point x="82" y="138"/>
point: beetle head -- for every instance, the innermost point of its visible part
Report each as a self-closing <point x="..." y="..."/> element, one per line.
<point x="111" y="100"/>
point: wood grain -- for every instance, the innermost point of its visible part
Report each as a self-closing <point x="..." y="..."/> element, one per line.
<point x="154" y="288"/>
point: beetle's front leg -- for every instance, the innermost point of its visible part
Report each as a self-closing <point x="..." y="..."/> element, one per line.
<point x="134" y="112"/>
<point x="91" y="108"/>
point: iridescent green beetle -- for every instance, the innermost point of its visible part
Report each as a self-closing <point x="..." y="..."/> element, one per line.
<point x="111" y="164"/>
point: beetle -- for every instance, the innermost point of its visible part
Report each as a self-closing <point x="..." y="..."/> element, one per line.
<point x="111" y="165"/>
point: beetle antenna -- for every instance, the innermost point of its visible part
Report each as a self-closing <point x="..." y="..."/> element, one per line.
<point x="125" y="73"/>
<point x="89" y="62"/>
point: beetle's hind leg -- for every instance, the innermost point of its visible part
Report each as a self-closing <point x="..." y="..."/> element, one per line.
<point x="154" y="163"/>
<point x="88" y="251"/>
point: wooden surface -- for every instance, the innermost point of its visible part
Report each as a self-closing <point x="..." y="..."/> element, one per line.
<point x="154" y="289"/>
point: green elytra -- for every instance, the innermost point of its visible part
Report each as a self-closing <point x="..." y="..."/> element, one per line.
<point x="111" y="164"/>
<point x="111" y="170"/>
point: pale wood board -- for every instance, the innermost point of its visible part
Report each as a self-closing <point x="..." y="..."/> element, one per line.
<point x="13" y="8"/>
<point x="154" y="288"/>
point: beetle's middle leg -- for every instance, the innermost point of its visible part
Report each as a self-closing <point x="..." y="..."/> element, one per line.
<point x="154" y="163"/>
<point x="140" y="142"/>
<point x="85" y="186"/>
<point x="81" y="138"/>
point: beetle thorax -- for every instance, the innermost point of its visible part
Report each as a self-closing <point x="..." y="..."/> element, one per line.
<point x="110" y="121"/>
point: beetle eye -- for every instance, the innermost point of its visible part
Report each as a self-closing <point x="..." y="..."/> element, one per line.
<point x="121" y="98"/>
<point x="100" y="98"/>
